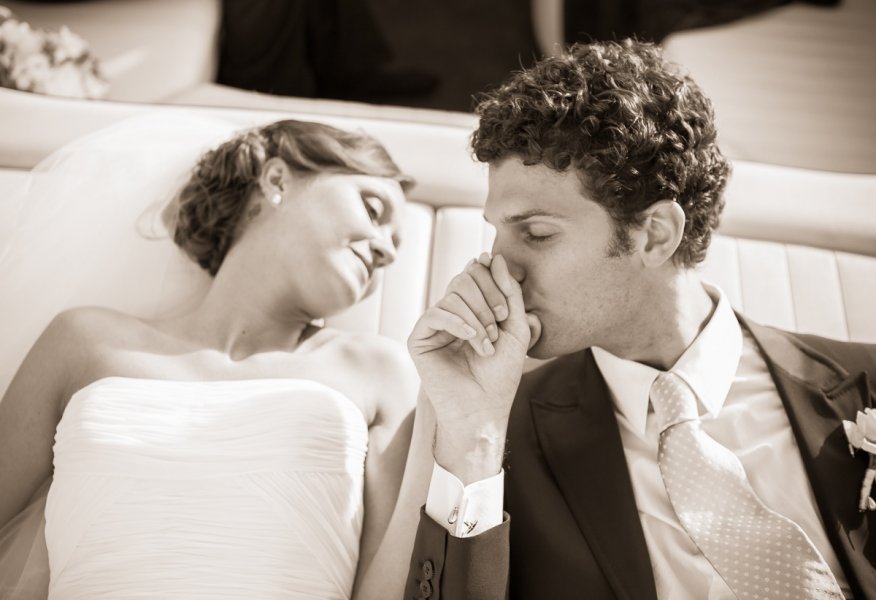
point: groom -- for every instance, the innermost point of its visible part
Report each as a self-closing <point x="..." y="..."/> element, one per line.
<point x="674" y="449"/>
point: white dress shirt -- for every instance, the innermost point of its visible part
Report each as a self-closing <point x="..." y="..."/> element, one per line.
<point x="739" y="407"/>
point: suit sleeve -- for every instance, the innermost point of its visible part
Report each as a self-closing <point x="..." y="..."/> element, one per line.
<point x="444" y="567"/>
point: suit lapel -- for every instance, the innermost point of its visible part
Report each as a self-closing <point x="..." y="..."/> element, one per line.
<point x="578" y="432"/>
<point x="818" y="395"/>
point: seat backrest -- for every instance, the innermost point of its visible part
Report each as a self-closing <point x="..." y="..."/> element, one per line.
<point x="761" y="256"/>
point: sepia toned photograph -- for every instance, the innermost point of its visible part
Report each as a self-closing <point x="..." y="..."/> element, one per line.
<point x="396" y="299"/>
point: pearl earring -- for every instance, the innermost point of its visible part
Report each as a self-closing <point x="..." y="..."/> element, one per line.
<point x="276" y="199"/>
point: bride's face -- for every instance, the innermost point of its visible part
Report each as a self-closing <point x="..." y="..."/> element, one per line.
<point x="335" y="234"/>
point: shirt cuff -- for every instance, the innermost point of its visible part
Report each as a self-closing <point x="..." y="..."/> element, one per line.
<point x="465" y="511"/>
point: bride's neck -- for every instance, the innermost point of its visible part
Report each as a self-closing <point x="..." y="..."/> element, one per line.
<point x="243" y="320"/>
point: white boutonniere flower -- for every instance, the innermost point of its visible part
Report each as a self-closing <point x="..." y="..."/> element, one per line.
<point x="862" y="436"/>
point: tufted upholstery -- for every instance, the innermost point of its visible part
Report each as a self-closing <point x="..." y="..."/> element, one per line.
<point x="797" y="248"/>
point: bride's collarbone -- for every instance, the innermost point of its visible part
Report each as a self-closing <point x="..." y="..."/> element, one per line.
<point x="197" y="364"/>
<point x="326" y="356"/>
<point x="109" y="343"/>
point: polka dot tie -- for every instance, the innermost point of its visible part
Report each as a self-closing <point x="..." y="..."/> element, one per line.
<point x="759" y="553"/>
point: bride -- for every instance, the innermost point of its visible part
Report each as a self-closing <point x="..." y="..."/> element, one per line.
<point x="237" y="448"/>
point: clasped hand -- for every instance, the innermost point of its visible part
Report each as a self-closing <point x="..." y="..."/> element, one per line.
<point x="469" y="349"/>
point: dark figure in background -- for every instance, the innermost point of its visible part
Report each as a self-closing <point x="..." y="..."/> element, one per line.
<point x="312" y="48"/>
<point x="656" y="19"/>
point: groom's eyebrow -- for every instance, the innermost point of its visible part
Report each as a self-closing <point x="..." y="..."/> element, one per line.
<point x="528" y="214"/>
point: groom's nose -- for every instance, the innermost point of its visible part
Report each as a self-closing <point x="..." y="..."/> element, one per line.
<point x="512" y="258"/>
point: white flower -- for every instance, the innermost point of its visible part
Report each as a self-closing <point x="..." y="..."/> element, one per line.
<point x="69" y="45"/>
<point x="94" y="85"/>
<point x="58" y="63"/>
<point x="862" y="433"/>
<point x="29" y="74"/>
<point x="21" y="38"/>
<point x="70" y="81"/>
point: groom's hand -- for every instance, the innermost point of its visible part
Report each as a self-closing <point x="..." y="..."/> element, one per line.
<point x="469" y="349"/>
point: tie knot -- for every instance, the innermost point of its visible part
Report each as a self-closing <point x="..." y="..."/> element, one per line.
<point x="673" y="400"/>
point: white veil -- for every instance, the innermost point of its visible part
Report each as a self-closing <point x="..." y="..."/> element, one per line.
<point x="86" y="227"/>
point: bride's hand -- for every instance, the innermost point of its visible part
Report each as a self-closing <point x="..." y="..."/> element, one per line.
<point x="469" y="349"/>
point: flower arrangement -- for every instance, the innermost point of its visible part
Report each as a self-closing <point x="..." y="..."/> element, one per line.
<point x="58" y="63"/>
<point x="862" y="436"/>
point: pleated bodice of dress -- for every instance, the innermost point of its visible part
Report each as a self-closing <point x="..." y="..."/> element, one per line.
<point x="222" y="489"/>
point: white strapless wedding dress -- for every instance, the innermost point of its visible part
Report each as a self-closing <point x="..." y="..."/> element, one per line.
<point x="230" y="489"/>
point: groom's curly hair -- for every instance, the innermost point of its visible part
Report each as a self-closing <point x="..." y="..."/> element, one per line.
<point x="211" y="208"/>
<point x="636" y="131"/>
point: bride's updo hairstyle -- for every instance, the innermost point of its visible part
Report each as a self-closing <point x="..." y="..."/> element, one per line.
<point x="209" y="212"/>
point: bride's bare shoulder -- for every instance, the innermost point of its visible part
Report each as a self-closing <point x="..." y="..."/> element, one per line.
<point x="386" y="372"/>
<point x="66" y="353"/>
<point x="372" y="351"/>
<point x="91" y="324"/>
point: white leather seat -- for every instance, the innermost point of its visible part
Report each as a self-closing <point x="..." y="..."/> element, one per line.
<point x="762" y="256"/>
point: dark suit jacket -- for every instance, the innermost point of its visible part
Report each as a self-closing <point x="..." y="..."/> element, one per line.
<point x="576" y="531"/>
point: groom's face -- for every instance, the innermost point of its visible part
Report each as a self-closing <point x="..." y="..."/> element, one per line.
<point x="558" y="246"/>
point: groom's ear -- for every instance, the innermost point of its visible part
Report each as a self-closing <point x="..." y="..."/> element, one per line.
<point x="662" y="231"/>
